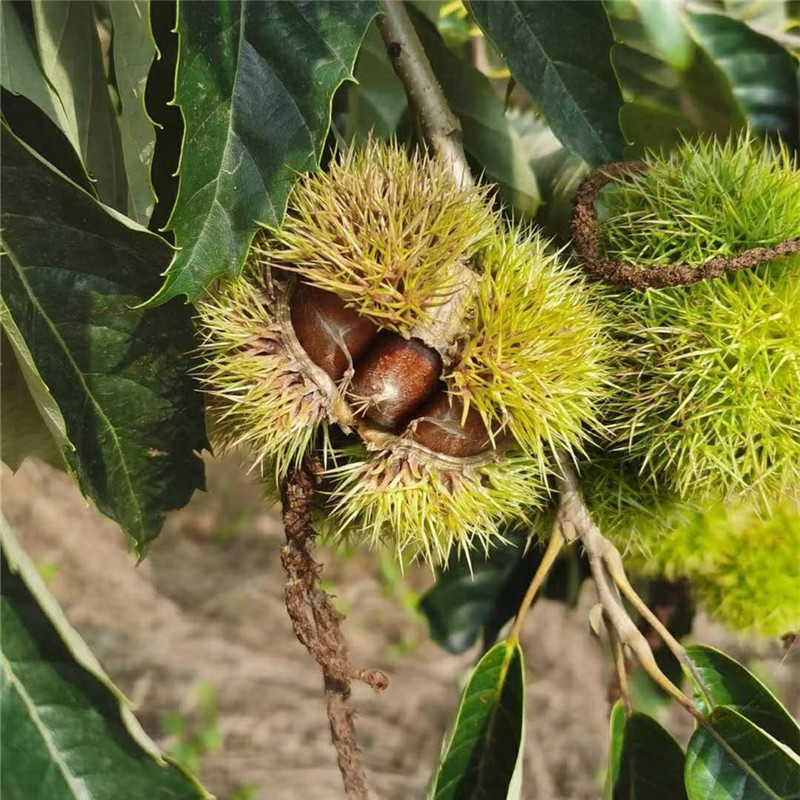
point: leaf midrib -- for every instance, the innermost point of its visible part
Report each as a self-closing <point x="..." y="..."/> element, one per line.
<point x="44" y="732"/>
<point x="81" y="378"/>
<point x="478" y="770"/>
<point x="741" y="763"/>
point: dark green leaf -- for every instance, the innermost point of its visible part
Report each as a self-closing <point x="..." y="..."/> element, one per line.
<point x="761" y="73"/>
<point x="71" y="58"/>
<point x="34" y="127"/>
<point x="469" y="602"/>
<point x="663" y="21"/>
<point x="735" y="760"/>
<point x="254" y="83"/>
<point x="484" y="755"/>
<point x="72" y="274"/>
<point x="645" y="762"/>
<point x="488" y="135"/>
<point x="652" y="127"/>
<point x="68" y="733"/>
<point x="725" y="682"/>
<point x="664" y="103"/>
<point x="134" y="50"/>
<point x="378" y="100"/>
<point x="559" y="52"/>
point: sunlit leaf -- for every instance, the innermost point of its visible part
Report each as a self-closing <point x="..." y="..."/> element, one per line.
<point x="254" y="84"/>
<point x="735" y="760"/>
<point x="559" y="52"/>
<point x="483" y="758"/>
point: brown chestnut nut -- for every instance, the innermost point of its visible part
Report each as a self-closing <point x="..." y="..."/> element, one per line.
<point x="438" y="427"/>
<point x="328" y="330"/>
<point x="394" y="377"/>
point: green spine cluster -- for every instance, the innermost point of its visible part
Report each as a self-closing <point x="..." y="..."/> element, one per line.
<point x="702" y="477"/>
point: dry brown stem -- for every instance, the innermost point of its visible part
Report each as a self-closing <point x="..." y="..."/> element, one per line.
<point x="609" y="577"/>
<point x="316" y="624"/>
<point x="621" y="273"/>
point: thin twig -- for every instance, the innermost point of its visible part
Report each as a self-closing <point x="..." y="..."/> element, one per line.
<point x="620" y="273"/>
<point x="440" y="125"/>
<point x="320" y="631"/>
<point x="442" y="130"/>
<point x="620" y="664"/>
<point x="616" y="570"/>
<point x="543" y="570"/>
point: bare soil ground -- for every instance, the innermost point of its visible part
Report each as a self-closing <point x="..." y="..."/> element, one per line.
<point x="206" y="607"/>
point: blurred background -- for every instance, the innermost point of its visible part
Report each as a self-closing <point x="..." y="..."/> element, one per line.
<point x="198" y="637"/>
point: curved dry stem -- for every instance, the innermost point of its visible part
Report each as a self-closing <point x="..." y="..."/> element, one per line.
<point x="320" y="632"/>
<point x="621" y="273"/>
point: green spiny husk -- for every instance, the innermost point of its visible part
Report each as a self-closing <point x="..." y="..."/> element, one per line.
<point x="260" y="397"/>
<point x="535" y="361"/>
<point x="425" y="507"/>
<point x="709" y="374"/>
<point x="382" y="230"/>
<point x="742" y="561"/>
<point x="744" y="566"/>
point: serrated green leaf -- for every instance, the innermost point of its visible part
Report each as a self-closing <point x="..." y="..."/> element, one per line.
<point x="559" y="52"/>
<point x="68" y="733"/>
<point x="735" y="760"/>
<point x="725" y="682"/>
<point x="71" y="59"/>
<point x="254" y="84"/>
<point x="72" y="274"/>
<point x="487" y="133"/>
<point x="483" y="759"/>
<point x="761" y="73"/>
<point x="134" y="50"/>
<point x="645" y="762"/>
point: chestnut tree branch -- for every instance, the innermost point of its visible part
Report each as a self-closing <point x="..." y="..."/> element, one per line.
<point x="440" y="125"/>
<point x="605" y="564"/>
<point x="442" y="131"/>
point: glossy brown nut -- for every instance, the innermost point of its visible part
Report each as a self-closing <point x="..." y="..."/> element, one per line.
<point x="443" y="432"/>
<point x="325" y="327"/>
<point x="394" y="377"/>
